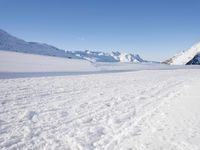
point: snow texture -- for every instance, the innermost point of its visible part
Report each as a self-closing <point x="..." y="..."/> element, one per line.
<point x="143" y="110"/>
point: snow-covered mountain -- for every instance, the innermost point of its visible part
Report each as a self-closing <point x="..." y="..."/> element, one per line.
<point x="94" y="56"/>
<point x="11" y="43"/>
<point x="189" y="57"/>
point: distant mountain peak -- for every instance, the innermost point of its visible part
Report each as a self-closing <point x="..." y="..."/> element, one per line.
<point x="188" y="57"/>
<point x="11" y="43"/>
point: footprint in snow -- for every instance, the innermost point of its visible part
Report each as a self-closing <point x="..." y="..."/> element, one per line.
<point x="32" y="116"/>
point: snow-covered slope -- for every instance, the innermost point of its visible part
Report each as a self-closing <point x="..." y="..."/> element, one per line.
<point x="11" y="43"/>
<point x="191" y="56"/>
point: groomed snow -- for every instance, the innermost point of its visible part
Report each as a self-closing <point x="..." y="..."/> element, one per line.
<point x="143" y="110"/>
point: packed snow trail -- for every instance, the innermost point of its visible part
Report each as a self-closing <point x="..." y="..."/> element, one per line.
<point x="144" y="110"/>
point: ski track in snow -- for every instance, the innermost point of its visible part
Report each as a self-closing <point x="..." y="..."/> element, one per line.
<point x="156" y="110"/>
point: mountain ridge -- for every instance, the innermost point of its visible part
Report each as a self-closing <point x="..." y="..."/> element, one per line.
<point x="9" y="42"/>
<point x="188" y="57"/>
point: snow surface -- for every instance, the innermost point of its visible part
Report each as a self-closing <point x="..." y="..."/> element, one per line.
<point x="185" y="56"/>
<point x="21" y="62"/>
<point x="143" y="110"/>
<point x="14" y="64"/>
<point x="77" y="105"/>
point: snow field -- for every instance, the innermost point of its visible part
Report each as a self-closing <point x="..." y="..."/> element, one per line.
<point x="18" y="65"/>
<point x="21" y="62"/>
<point x="144" y="110"/>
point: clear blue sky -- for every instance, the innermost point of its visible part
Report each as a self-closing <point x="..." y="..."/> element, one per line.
<point x="155" y="29"/>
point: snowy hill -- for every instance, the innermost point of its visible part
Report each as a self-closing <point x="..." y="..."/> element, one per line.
<point x="11" y="43"/>
<point x="189" y="57"/>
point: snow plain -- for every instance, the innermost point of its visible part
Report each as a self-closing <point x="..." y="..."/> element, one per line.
<point x="156" y="109"/>
<point x="22" y="62"/>
<point x="17" y="65"/>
